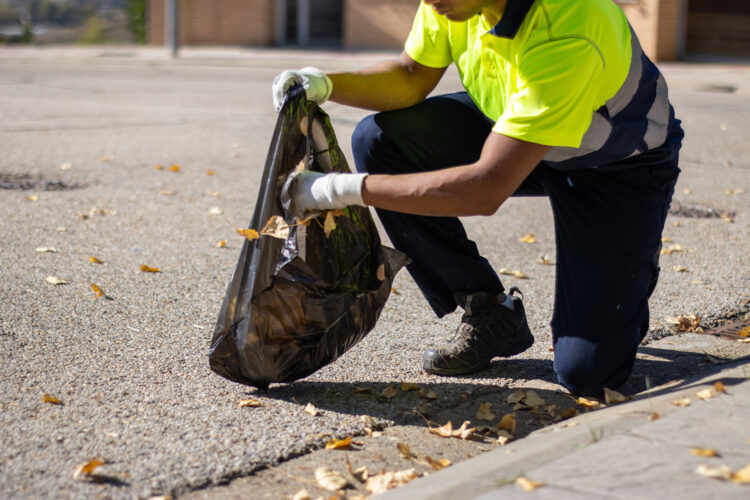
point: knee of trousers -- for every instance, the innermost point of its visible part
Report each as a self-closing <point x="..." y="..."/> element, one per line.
<point x="586" y="368"/>
<point x="367" y="147"/>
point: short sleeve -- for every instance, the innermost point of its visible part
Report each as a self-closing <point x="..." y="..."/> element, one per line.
<point x="556" y="97"/>
<point x="428" y="42"/>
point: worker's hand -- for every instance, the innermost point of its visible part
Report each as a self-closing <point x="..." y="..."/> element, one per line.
<point x="313" y="191"/>
<point x="317" y="85"/>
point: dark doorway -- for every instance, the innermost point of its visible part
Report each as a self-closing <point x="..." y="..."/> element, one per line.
<point x="322" y="26"/>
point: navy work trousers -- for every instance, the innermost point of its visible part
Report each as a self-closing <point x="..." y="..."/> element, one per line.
<point x="608" y="229"/>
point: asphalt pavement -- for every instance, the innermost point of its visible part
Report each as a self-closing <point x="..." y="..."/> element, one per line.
<point x="82" y="134"/>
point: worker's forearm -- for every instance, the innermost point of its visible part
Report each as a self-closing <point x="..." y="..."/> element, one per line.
<point x="386" y="86"/>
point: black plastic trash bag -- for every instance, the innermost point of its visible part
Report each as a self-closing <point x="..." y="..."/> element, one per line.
<point x="296" y="304"/>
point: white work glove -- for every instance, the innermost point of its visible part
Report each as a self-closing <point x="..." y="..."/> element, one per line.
<point x="313" y="191"/>
<point x="317" y="85"/>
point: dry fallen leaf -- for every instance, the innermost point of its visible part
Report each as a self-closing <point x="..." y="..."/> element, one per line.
<point x="654" y="416"/>
<point x="94" y="260"/>
<point x="215" y="211"/>
<point x="223" y="243"/>
<point x="210" y="172"/>
<point x="590" y="404"/>
<point x="174" y="168"/>
<point x="311" y="410"/>
<point x="484" y="412"/>
<point x="705" y="394"/>
<point x="682" y="402"/>
<point x="513" y="272"/>
<point x="742" y="476"/>
<point x="339" y="444"/>
<point x="32" y="197"/>
<point x="529" y="238"/>
<point x="714" y="472"/>
<point x="745" y="332"/>
<point x="404" y="451"/>
<point x="704" y="452"/>
<point x="99" y="291"/>
<point x="430" y="395"/>
<point x="66" y="166"/>
<point x="528" y="484"/>
<point x="54" y="280"/>
<point x="464" y="432"/>
<point x="147" y="269"/>
<point x="330" y="479"/>
<point x="614" y="397"/>
<point x="86" y="471"/>
<point x="250" y="234"/>
<point x="46" y="250"/>
<point x="516" y="397"/>
<point x="360" y="473"/>
<point x="250" y="403"/>
<point x="166" y="192"/>
<point x="544" y="259"/>
<point x="508" y="423"/>
<point x="670" y="249"/>
<point x="51" y="400"/>
<point x="503" y="437"/>
<point x="437" y="464"/>
<point x="568" y="413"/>
<point x="276" y="227"/>
<point x="301" y="495"/>
<point x="720" y="387"/>
<point x="680" y="269"/>
<point x="532" y="400"/>
<point x="688" y="322"/>
<point x="329" y="224"/>
<point x="389" y="392"/>
<point x="384" y="481"/>
<point x="444" y="431"/>
<point x="158" y="167"/>
<point x="408" y="386"/>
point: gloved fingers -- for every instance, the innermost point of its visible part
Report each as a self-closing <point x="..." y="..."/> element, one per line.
<point x="282" y="83"/>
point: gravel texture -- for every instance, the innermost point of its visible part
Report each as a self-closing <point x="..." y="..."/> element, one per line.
<point x="132" y="371"/>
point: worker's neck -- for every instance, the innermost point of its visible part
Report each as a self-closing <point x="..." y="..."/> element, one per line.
<point x="493" y="11"/>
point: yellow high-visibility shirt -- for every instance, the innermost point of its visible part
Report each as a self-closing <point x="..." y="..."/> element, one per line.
<point x="542" y="72"/>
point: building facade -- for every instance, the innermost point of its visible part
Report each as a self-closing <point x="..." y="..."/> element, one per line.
<point x="668" y="29"/>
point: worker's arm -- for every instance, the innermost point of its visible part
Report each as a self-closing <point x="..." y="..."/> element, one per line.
<point x="478" y="188"/>
<point x="392" y="84"/>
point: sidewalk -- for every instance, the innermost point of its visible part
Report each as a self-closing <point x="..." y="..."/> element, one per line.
<point x="585" y="457"/>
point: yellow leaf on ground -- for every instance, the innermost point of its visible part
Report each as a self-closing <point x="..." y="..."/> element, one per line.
<point x="95" y="260"/>
<point x="464" y="432"/>
<point x="147" y="269"/>
<point x="714" y="472"/>
<point x="484" y="412"/>
<point x="503" y="437"/>
<point x="174" y="168"/>
<point x="614" y="397"/>
<point x="437" y="464"/>
<point x="404" y="451"/>
<point x="51" y="400"/>
<point x="311" y="410"/>
<point x="408" y="387"/>
<point x="670" y="249"/>
<point x="682" y="402"/>
<point x="158" y="167"/>
<point x="276" y="227"/>
<point x="654" y="416"/>
<point x="99" y="291"/>
<point x="46" y="250"/>
<point x="339" y="444"/>
<point x="513" y="272"/>
<point x="720" y="387"/>
<point x="66" y="166"/>
<point x="54" y="280"/>
<point x="544" y="259"/>
<point x="568" y="413"/>
<point x="330" y="479"/>
<point x="508" y="423"/>
<point x="742" y="476"/>
<point x="528" y="484"/>
<point x="704" y="452"/>
<point x="516" y="397"/>
<point x="444" y="431"/>
<point x="210" y="172"/>
<point x="83" y="472"/>
<point x="680" y="269"/>
<point x="389" y="392"/>
<point x="529" y="238"/>
<point x="590" y="404"/>
<point x="32" y="197"/>
<point x="744" y="332"/>
<point x="250" y="234"/>
<point x="166" y="192"/>
<point x="688" y="322"/>
<point x="215" y="211"/>
<point x="705" y="394"/>
<point x="250" y="403"/>
<point x="223" y="243"/>
<point x="532" y="399"/>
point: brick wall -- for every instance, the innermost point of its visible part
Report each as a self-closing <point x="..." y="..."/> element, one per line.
<point x="216" y="22"/>
<point x="383" y="24"/>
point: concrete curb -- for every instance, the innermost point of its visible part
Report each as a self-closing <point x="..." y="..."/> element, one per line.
<point x="483" y="475"/>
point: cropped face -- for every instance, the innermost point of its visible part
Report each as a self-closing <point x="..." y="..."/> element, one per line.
<point x="458" y="10"/>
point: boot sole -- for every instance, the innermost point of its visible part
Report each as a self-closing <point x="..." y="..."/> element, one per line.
<point x="467" y="370"/>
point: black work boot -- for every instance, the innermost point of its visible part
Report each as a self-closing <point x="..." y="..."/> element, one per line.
<point x="487" y="330"/>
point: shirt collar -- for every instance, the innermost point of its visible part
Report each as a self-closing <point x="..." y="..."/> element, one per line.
<point x="513" y="16"/>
